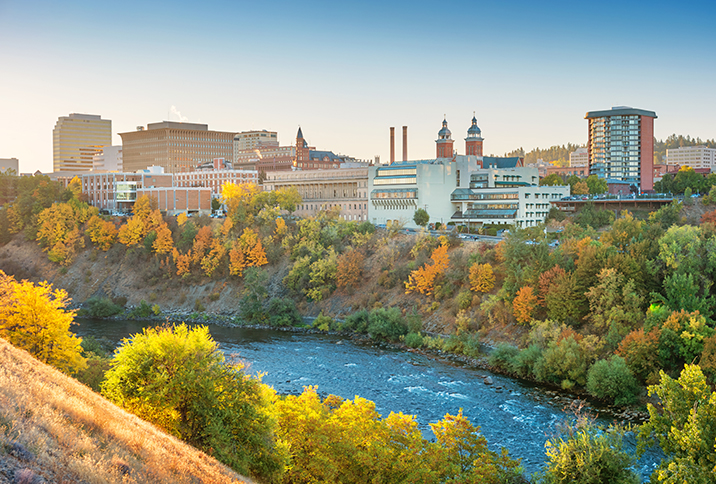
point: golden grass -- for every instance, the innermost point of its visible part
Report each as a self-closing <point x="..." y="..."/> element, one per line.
<point x="78" y="436"/>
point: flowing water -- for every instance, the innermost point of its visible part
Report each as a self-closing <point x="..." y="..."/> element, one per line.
<point x="512" y="413"/>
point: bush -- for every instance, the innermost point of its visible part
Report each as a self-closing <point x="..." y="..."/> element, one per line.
<point x="504" y="356"/>
<point x="589" y="455"/>
<point x="199" y="306"/>
<point x="525" y="362"/>
<point x="357" y="322"/>
<point x="612" y="380"/>
<point x="283" y="312"/>
<point x="100" y="307"/>
<point x="387" y="323"/>
<point x="214" y="296"/>
<point x="177" y="378"/>
<point x="464" y="300"/>
<point x="323" y="323"/>
<point x="144" y="310"/>
<point x="413" y="340"/>
<point x="156" y="310"/>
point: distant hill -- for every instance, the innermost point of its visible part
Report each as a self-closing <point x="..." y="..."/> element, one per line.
<point x="54" y="428"/>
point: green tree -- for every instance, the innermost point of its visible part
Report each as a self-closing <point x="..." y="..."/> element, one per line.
<point x="684" y="427"/>
<point x="421" y="217"/>
<point x="612" y="380"/>
<point x="34" y="318"/>
<point x="596" y="185"/>
<point x="176" y="378"/>
<point x="552" y="180"/>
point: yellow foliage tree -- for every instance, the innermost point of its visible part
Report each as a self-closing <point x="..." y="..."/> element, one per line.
<point x="350" y="268"/>
<point x="423" y="279"/>
<point x="237" y="262"/>
<point x="102" y="233"/>
<point x="33" y="317"/>
<point x="226" y="227"/>
<point x="524" y="304"/>
<point x="202" y="243"/>
<point x="132" y="232"/>
<point x="181" y="219"/>
<point x="482" y="278"/>
<point x="164" y="243"/>
<point x="281" y="228"/>
<point x="211" y="261"/>
<point x="143" y="207"/>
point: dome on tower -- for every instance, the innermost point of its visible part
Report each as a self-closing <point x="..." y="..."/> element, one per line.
<point x="444" y="133"/>
<point x="474" y="131"/>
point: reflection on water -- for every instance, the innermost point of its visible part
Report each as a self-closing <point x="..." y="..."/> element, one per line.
<point x="511" y="413"/>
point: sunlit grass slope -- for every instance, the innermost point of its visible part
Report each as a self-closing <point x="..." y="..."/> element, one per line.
<point x="54" y="427"/>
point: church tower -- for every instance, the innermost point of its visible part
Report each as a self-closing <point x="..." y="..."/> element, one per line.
<point x="473" y="142"/>
<point x="302" y="151"/>
<point x="444" y="142"/>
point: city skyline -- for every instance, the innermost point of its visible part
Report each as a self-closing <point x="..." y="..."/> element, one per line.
<point x="347" y="73"/>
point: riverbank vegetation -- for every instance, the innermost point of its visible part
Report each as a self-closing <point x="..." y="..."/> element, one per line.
<point x="598" y="304"/>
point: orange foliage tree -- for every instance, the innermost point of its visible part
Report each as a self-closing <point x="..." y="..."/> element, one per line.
<point x="482" y="278"/>
<point x="164" y="243"/>
<point x="422" y="280"/>
<point x="545" y="281"/>
<point x="640" y="350"/>
<point x="524" y="304"/>
<point x="709" y="217"/>
<point x="350" y="268"/>
<point x="202" y="243"/>
<point x="132" y="232"/>
<point x="248" y="251"/>
<point x="183" y="262"/>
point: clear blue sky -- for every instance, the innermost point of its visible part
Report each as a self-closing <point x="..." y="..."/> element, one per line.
<point x="347" y="71"/>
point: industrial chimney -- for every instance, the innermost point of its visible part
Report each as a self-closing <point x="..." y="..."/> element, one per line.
<point x="392" y="145"/>
<point x="405" y="143"/>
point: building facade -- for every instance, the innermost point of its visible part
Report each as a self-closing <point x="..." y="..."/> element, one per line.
<point x="109" y="158"/>
<point x="177" y="147"/>
<point x="76" y="139"/>
<point x="215" y="178"/>
<point x="346" y="188"/>
<point x="693" y="156"/>
<point x="9" y="164"/>
<point x="579" y="158"/>
<point x="621" y="145"/>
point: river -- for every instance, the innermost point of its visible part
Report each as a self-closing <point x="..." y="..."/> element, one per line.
<point x="511" y="413"/>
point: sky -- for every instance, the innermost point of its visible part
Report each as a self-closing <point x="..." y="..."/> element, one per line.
<point x="345" y="72"/>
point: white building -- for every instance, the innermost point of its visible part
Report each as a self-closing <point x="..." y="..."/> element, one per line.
<point x="109" y="158"/>
<point x="693" y="156"/>
<point x="579" y="158"/>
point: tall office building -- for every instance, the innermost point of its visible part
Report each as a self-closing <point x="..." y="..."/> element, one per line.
<point x="177" y="147"/>
<point x="621" y="145"/>
<point x="76" y="139"/>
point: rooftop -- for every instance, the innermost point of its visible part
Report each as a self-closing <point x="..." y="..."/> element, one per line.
<point x="619" y="111"/>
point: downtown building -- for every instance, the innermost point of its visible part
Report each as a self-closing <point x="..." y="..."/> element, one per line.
<point x="471" y="189"/>
<point x="621" y="146"/>
<point x="76" y="139"/>
<point x="176" y="147"/>
<point x="696" y="157"/>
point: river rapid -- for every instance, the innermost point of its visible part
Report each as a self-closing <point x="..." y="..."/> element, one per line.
<point x="511" y="413"/>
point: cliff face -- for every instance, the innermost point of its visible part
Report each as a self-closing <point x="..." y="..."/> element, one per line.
<point x="122" y="273"/>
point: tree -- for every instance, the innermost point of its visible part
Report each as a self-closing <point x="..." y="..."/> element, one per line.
<point x="524" y="304"/>
<point x="482" y="279"/>
<point x="683" y="427"/>
<point x="552" y="180"/>
<point x="423" y="279"/>
<point x="350" y="268"/>
<point x="596" y="185"/>
<point x="580" y="188"/>
<point x="421" y="217"/>
<point x="612" y="380"/>
<point x="131" y="233"/>
<point x="588" y="455"/>
<point x="164" y="243"/>
<point x="176" y="378"/>
<point x="288" y="199"/>
<point x="182" y="262"/>
<point x="102" y="233"/>
<point x="640" y="350"/>
<point x="34" y="318"/>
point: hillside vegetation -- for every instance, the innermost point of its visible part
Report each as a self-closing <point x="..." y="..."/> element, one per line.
<point x="57" y="429"/>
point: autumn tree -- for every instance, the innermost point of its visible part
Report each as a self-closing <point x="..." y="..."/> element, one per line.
<point x="164" y="243"/>
<point x="640" y="350"/>
<point x="202" y="243"/>
<point x="545" y="282"/>
<point x="524" y="304"/>
<point x="177" y="378"/>
<point x="423" y="279"/>
<point x="482" y="279"/>
<point x="102" y="233"/>
<point x="350" y="268"/>
<point x="131" y="233"/>
<point x="34" y="318"/>
<point x="182" y="262"/>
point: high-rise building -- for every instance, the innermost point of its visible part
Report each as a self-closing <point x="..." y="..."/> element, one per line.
<point x="579" y="158"/>
<point x="621" y="145"/>
<point x="177" y="147"/>
<point x="109" y="158"/>
<point x="76" y="139"/>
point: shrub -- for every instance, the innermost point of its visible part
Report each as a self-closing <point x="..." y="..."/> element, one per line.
<point x="504" y="356"/>
<point x="587" y="455"/>
<point x="283" y="312"/>
<point x="464" y="300"/>
<point x="101" y="307"/>
<point x="214" y="296"/>
<point x="565" y="363"/>
<point x="120" y="301"/>
<point x="156" y="310"/>
<point x="525" y="362"/>
<point x="176" y="378"/>
<point x="387" y="323"/>
<point x="199" y="306"/>
<point x="413" y="340"/>
<point x="144" y="310"/>
<point x="323" y="323"/>
<point x="612" y="380"/>
<point x="434" y="342"/>
<point x="357" y="322"/>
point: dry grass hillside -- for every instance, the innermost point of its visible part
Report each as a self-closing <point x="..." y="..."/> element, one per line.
<point x="54" y="429"/>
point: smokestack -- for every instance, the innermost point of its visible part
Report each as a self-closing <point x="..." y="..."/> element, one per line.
<point x="392" y="145"/>
<point x="405" y="143"/>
